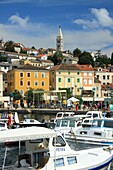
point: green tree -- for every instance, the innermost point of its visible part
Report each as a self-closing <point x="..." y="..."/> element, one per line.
<point x="17" y="95"/>
<point x="34" y="97"/>
<point x="9" y="46"/>
<point x="103" y="60"/>
<point x="76" y="52"/>
<point x="86" y="58"/>
<point x="38" y="96"/>
<point x="56" y="58"/>
<point x="3" y="59"/>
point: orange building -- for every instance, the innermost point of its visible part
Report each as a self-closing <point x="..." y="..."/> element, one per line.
<point x="26" y="77"/>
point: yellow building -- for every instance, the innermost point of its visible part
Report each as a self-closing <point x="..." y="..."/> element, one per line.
<point x="78" y="79"/>
<point x="65" y="76"/>
<point x="26" y="77"/>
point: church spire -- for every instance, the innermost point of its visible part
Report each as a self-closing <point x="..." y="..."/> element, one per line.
<point x="59" y="40"/>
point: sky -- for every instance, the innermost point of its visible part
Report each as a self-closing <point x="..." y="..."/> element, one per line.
<point x="85" y="24"/>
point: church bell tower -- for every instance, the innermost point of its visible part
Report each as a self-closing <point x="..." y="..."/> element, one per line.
<point x="59" y="40"/>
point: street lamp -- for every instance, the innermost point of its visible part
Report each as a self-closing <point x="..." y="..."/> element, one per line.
<point x="81" y="88"/>
<point x="50" y="96"/>
<point x="93" y="92"/>
<point x="108" y="90"/>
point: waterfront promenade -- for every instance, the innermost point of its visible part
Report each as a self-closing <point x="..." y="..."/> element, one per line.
<point x="39" y="113"/>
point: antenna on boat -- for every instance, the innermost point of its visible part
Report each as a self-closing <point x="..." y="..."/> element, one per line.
<point x="71" y="131"/>
<point x="4" y="158"/>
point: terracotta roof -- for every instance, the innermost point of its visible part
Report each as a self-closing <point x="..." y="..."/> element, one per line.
<point x="64" y="67"/>
<point x="84" y="67"/>
<point x="40" y="55"/>
<point x="72" y="67"/>
<point x="30" y="67"/>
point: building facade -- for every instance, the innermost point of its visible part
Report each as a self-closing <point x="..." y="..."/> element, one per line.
<point x="26" y="77"/>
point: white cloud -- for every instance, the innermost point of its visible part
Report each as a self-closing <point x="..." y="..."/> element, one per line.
<point x="86" y="23"/>
<point x="15" y="19"/>
<point x="41" y="35"/>
<point x="101" y="19"/>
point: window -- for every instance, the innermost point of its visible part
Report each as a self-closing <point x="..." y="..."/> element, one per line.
<point x="36" y="83"/>
<point x="28" y="83"/>
<point x="68" y="72"/>
<point x="85" y="81"/>
<point x="72" y="124"/>
<point x="59" y="141"/>
<point x="77" y="73"/>
<point x="85" y="74"/>
<point x="36" y="75"/>
<point x="59" y="72"/>
<point x="43" y="75"/>
<point x="68" y="80"/>
<point x="64" y="123"/>
<point x="28" y="74"/>
<point x="78" y="80"/>
<point x="21" y="83"/>
<point x="97" y="76"/>
<point x="90" y="81"/>
<point x="108" y="77"/>
<point x="59" y="80"/>
<point x="90" y="74"/>
<point x="42" y="83"/>
<point x="21" y="74"/>
<point x="71" y="160"/>
<point x="59" y="162"/>
<point x="103" y="77"/>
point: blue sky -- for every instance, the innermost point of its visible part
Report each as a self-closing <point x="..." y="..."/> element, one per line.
<point x="86" y="24"/>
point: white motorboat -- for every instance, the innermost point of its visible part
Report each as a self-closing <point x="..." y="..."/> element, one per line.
<point x="48" y="150"/>
<point x="29" y="122"/>
<point x="3" y="126"/>
<point x="100" y="132"/>
<point x="95" y="114"/>
<point x="67" y="125"/>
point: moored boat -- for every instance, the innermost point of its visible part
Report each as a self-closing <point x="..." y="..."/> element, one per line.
<point x="46" y="149"/>
<point x="100" y="132"/>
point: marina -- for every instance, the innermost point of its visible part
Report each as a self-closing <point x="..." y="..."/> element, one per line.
<point x="39" y="115"/>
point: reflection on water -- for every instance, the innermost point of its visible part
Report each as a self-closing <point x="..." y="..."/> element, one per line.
<point x="12" y="154"/>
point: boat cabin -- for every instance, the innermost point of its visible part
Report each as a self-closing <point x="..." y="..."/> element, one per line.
<point x="61" y="115"/>
<point x="95" y="114"/>
<point x="67" y="124"/>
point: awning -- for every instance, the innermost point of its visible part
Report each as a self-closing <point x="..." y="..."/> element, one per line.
<point x="28" y="133"/>
<point x="92" y="99"/>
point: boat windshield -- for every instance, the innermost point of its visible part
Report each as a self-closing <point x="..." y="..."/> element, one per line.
<point x="2" y="125"/>
<point x="108" y="124"/>
<point x="72" y="123"/>
<point x="96" y="123"/>
<point x="58" y="141"/>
